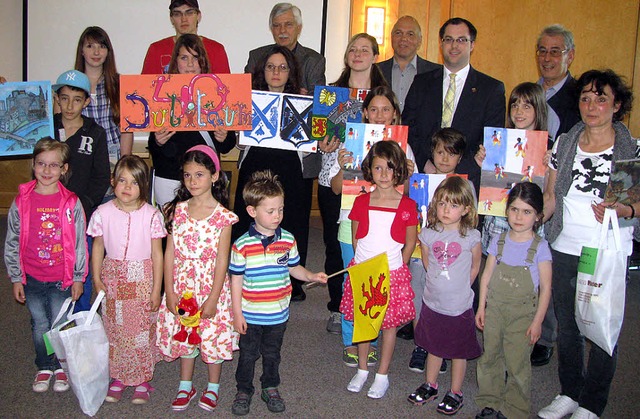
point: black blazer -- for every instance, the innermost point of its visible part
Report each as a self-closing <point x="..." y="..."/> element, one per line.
<point x="482" y="103"/>
<point x="565" y="104"/>
<point x="424" y="66"/>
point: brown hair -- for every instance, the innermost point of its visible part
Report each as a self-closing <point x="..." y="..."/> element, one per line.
<point x="376" y="77"/>
<point x="138" y="169"/>
<point x="395" y="157"/>
<point x="456" y="190"/>
<point x="192" y="43"/>
<point x="49" y="144"/>
<point x="391" y="97"/>
<point x="263" y="184"/>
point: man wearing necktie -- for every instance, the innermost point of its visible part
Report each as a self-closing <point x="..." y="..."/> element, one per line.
<point x="455" y="95"/>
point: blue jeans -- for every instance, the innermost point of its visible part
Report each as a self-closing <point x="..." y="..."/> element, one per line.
<point x="590" y="386"/>
<point x="84" y="302"/>
<point x="260" y="340"/>
<point x="44" y="301"/>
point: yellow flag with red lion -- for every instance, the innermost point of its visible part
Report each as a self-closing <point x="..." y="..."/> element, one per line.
<point x="370" y="285"/>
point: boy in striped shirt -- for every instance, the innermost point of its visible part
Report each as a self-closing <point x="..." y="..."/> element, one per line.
<point x="261" y="261"/>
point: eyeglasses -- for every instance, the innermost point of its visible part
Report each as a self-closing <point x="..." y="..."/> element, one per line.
<point x="554" y="52"/>
<point x="271" y="68"/>
<point x="460" y="41"/>
<point x="177" y="14"/>
<point x="44" y="165"/>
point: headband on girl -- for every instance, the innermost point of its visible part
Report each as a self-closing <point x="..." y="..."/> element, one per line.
<point x="209" y="152"/>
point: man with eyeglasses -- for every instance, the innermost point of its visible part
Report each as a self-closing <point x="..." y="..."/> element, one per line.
<point x="455" y="95"/>
<point x="555" y="51"/>
<point x="285" y="24"/>
<point x="185" y="16"/>
<point x="400" y="70"/>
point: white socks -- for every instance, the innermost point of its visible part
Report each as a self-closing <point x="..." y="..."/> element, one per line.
<point x="358" y="380"/>
<point x="379" y="386"/>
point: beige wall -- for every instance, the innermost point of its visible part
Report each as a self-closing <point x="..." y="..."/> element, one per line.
<point x="11" y="36"/>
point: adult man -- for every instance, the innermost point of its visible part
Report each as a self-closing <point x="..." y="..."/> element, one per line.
<point x="400" y="70"/>
<point x="185" y="16"/>
<point x="285" y="23"/>
<point x="455" y="95"/>
<point x="555" y="50"/>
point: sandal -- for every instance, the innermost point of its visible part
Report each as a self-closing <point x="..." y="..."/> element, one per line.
<point x="183" y="399"/>
<point x="115" y="392"/>
<point x="41" y="382"/>
<point x="141" y="393"/>
<point x="450" y="404"/>
<point x="62" y="382"/>
<point x="209" y="400"/>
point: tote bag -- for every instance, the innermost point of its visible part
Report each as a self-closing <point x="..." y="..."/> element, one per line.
<point x="82" y="348"/>
<point x="600" y="288"/>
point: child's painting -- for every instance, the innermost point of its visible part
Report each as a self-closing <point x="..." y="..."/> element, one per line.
<point x="185" y="102"/>
<point x="26" y="115"/>
<point x="333" y="107"/>
<point x="513" y="155"/>
<point x="280" y="120"/>
<point x="624" y="183"/>
<point x="359" y="139"/>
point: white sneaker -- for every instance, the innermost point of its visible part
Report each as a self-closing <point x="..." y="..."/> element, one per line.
<point x="560" y="407"/>
<point x="582" y="413"/>
<point x="358" y="380"/>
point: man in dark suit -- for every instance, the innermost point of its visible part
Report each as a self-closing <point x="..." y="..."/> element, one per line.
<point x="399" y="70"/>
<point x="476" y="100"/>
<point x="555" y="50"/>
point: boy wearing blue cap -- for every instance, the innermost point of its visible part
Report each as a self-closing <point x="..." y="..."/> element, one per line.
<point x="87" y="141"/>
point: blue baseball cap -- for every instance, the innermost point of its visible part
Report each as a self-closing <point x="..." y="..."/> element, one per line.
<point x="73" y="78"/>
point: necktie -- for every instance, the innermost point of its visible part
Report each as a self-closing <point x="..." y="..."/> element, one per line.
<point x="449" y="102"/>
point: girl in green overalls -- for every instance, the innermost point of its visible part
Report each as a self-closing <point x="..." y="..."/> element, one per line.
<point x="515" y="289"/>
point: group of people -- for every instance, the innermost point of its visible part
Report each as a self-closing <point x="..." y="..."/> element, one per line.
<point x="244" y="267"/>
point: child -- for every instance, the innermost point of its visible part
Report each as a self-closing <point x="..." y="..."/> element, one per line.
<point x="196" y="261"/>
<point x="45" y="251"/>
<point x="447" y="147"/>
<point x="89" y="157"/>
<point x="451" y="254"/>
<point x="261" y="261"/>
<point x="131" y="232"/>
<point x="515" y="290"/>
<point x="383" y="221"/>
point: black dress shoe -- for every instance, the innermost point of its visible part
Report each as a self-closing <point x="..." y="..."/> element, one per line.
<point x="405" y="332"/>
<point x="541" y="355"/>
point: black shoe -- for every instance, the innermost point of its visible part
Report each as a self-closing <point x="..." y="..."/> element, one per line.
<point x="541" y="355"/>
<point x="489" y="413"/>
<point x="443" y="367"/>
<point x="298" y="294"/>
<point x="418" y="359"/>
<point x="405" y="332"/>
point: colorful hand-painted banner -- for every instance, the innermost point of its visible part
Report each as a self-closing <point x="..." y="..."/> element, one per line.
<point x="185" y="102"/>
<point x="513" y="155"/>
<point x="280" y="120"/>
<point x="624" y="183"/>
<point x="422" y="186"/>
<point x="333" y="107"/>
<point x="358" y="141"/>
<point x="26" y="115"/>
<point x="370" y="285"/>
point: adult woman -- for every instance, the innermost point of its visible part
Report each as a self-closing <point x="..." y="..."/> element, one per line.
<point x="359" y="73"/>
<point x="580" y="167"/>
<point x="168" y="147"/>
<point x="277" y="71"/>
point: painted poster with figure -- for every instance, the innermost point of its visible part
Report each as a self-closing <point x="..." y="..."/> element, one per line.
<point x="333" y="107"/>
<point x="513" y="156"/>
<point x="359" y="139"/>
<point x="185" y="102"/>
<point x="624" y="183"/>
<point x="26" y="115"/>
<point x="280" y="120"/>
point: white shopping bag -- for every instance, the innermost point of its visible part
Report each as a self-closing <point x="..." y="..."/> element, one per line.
<point x="600" y="288"/>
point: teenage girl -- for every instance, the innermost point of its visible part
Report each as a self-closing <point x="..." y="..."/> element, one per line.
<point x="515" y="289"/>
<point x="451" y="253"/>
<point x="130" y="231"/>
<point x="383" y="221"/>
<point x="45" y="251"/>
<point x="196" y="261"/>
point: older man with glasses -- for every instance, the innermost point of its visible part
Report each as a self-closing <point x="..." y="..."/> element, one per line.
<point x="185" y="16"/>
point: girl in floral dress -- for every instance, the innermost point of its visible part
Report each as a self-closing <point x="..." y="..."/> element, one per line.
<point x="196" y="261"/>
<point x="131" y="232"/>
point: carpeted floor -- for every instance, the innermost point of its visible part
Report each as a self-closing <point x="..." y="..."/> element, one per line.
<point x="313" y="376"/>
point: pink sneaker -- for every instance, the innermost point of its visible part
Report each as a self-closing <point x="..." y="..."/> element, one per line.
<point x="141" y="394"/>
<point x="115" y="391"/>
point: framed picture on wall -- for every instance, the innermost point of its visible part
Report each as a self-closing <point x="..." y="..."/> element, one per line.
<point x="26" y="115"/>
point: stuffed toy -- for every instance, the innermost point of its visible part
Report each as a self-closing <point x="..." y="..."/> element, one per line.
<point x="187" y="309"/>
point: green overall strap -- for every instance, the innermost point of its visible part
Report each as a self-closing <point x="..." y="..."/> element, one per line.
<point x="531" y="253"/>
<point x="501" y="241"/>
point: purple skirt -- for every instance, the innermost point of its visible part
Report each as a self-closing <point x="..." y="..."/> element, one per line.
<point x="449" y="337"/>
